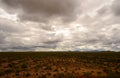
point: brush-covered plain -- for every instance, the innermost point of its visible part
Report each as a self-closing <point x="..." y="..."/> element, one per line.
<point x="59" y="65"/>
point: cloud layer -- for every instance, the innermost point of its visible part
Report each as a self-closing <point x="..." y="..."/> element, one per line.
<point x="63" y="25"/>
<point x="42" y="10"/>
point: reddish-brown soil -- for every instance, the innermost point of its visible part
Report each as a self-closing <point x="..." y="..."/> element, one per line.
<point x="59" y="65"/>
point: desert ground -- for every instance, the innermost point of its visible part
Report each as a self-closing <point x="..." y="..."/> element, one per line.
<point x="59" y="65"/>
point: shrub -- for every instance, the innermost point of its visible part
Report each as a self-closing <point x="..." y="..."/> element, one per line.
<point x="49" y="74"/>
<point x="27" y="74"/>
<point x="24" y="65"/>
<point x="60" y="75"/>
<point x="1" y="73"/>
<point x="43" y="76"/>
<point x="70" y="75"/>
<point x="112" y="76"/>
<point x="17" y="74"/>
<point x="48" y="68"/>
<point x="11" y="65"/>
<point x="87" y="74"/>
<point x="8" y="71"/>
<point x="99" y="73"/>
<point x="56" y="70"/>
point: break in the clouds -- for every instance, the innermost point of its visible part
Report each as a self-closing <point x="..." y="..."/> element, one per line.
<point x="59" y="25"/>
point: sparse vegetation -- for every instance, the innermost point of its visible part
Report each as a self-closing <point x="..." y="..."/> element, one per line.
<point x="8" y="71"/>
<point x="24" y="65"/>
<point x="60" y="65"/>
<point x="27" y="74"/>
<point x="87" y="74"/>
<point x="60" y="75"/>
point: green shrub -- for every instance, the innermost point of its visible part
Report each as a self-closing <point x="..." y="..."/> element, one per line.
<point x="113" y="76"/>
<point x="56" y="70"/>
<point x="17" y="74"/>
<point x="49" y="74"/>
<point x="24" y="65"/>
<point x="43" y="76"/>
<point x="48" y="68"/>
<point x="27" y="74"/>
<point x="69" y="75"/>
<point x="1" y="73"/>
<point x="87" y="74"/>
<point x="60" y="75"/>
<point x="11" y="65"/>
<point x="99" y="73"/>
<point x="8" y="71"/>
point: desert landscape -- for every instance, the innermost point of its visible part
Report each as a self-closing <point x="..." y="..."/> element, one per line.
<point x="59" y="38"/>
<point x="59" y="65"/>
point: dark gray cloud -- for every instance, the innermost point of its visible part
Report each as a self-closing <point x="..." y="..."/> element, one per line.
<point x="42" y="9"/>
<point x="116" y="7"/>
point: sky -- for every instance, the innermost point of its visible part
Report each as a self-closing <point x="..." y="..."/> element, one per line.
<point x="59" y="25"/>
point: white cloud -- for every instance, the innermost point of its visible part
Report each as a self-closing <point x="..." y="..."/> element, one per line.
<point x="4" y="14"/>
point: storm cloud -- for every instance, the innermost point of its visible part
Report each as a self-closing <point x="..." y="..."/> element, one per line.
<point x="41" y="10"/>
<point x="62" y="25"/>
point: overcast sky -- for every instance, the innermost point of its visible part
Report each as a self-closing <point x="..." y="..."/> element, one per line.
<point x="59" y="25"/>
